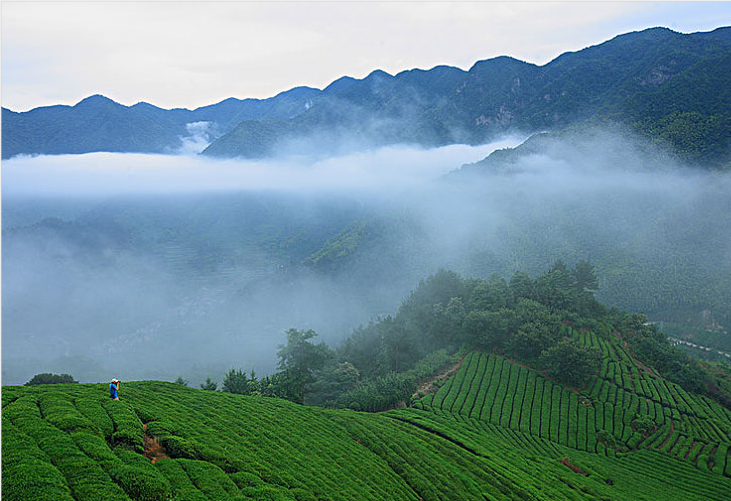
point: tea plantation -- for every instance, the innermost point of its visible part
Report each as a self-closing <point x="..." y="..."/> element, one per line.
<point x="495" y="431"/>
<point x="626" y="407"/>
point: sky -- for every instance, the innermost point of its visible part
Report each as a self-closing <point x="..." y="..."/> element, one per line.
<point x="191" y="54"/>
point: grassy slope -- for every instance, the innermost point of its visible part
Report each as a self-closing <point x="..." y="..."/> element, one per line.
<point x="486" y="434"/>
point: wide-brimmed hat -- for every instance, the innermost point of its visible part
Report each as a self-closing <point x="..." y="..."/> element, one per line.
<point x="115" y="380"/>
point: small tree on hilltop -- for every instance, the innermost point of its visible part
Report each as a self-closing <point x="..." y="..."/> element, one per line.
<point x="48" y="378"/>
<point x="236" y="381"/>
<point x="209" y="385"/>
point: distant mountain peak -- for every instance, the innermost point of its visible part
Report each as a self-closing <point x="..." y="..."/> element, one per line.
<point x="378" y="74"/>
<point x="499" y="62"/>
<point x="97" y="100"/>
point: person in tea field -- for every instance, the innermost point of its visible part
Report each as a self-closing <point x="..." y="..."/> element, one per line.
<point x="113" y="389"/>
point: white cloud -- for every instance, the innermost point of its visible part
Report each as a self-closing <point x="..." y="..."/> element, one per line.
<point x="104" y="174"/>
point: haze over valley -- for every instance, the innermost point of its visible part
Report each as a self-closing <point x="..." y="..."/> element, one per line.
<point x="148" y="266"/>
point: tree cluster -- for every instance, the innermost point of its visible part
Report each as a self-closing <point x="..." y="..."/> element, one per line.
<point x="379" y="365"/>
<point x="48" y="378"/>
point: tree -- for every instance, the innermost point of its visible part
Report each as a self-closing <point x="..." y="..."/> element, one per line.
<point x="584" y="276"/>
<point x="237" y="382"/>
<point x="489" y="329"/>
<point x="332" y="381"/>
<point x="491" y="294"/>
<point x="556" y="288"/>
<point x="209" y="385"/>
<point x="570" y="362"/>
<point x="521" y="285"/>
<point x="48" y="378"/>
<point x="531" y="339"/>
<point x="181" y="381"/>
<point x="299" y="359"/>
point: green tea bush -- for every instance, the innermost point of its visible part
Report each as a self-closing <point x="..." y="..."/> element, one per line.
<point x="140" y="485"/>
<point x="180" y="483"/>
<point x="162" y="428"/>
<point x="94" y="446"/>
<point x="88" y="480"/>
<point x="33" y="479"/>
<point x="211" y="480"/>
<point x="244" y="447"/>
<point x="246" y="479"/>
<point x="17" y="446"/>
<point x="93" y="410"/>
<point x="128" y="427"/>
<point x="269" y="493"/>
<point x="178" y="447"/>
<point x="58" y="410"/>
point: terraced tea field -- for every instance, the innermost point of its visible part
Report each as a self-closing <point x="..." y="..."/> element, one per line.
<point x="599" y="418"/>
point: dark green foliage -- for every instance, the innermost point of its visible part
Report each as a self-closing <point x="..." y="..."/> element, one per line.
<point x="379" y="393"/>
<point x="643" y="424"/>
<point x="236" y="381"/>
<point x="489" y="329"/>
<point x="299" y="359"/>
<point x="209" y="385"/>
<point x="525" y="317"/>
<point x="570" y="362"/>
<point x="48" y="378"/>
<point x="491" y="295"/>
<point x="653" y="347"/>
<point x="532" y="339"/>
<point x="332" y="381"/>
<point x="181" y="381"/>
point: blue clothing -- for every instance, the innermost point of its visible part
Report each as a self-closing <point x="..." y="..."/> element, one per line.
<point x="112" y="390"/>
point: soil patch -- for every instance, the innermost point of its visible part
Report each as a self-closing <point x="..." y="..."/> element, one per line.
<point x="154" y="450"/>
<point x="427" y="385"/>
<point x="573" y="467"/>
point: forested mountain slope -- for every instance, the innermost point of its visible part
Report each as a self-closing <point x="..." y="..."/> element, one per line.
<point x="669" y="86"/>
<point x="656" y="81"/>
<point x="99" y="124"/>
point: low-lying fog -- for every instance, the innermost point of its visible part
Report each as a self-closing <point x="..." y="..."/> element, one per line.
<point x="148" y="266"/>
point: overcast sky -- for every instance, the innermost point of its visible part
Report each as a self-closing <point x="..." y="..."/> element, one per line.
<point x="190" y="54"/>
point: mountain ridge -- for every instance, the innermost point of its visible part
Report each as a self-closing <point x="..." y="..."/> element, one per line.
<point x="443" y="105"/>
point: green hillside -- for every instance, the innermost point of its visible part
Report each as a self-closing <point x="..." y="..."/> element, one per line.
<point x="495" y="431"/>
<point x="551" y="396"/>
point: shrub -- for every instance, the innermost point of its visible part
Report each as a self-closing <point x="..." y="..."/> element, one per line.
<point x="643" y="424"/>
